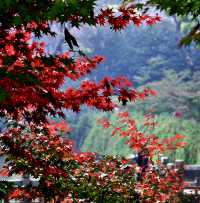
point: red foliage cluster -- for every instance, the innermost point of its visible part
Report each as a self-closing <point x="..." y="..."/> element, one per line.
<point x="31" y="81"/>
<point x="156" y="182"/>
<point x="123" y="17"/>
<point x="31" y="90"/>
<point x="43" y="153"/>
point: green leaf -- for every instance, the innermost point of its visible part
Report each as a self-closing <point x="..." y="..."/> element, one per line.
<point x="3" y="94"/>
<point x="27" y="79"/>
<point x="17" y="20"/>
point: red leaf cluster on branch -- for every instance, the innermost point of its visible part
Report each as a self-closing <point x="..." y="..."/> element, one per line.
<point x="32" y="81"/>
<point x="156" y="181"/>
<point x="123" y="17"/>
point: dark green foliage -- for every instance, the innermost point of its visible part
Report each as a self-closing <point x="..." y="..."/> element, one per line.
<point x="5" y="188"/>
<point x="40" y="11"/>
<point x="189" y="198"/>
<point x="3" y="94"/>
<point x="180" y="8"/>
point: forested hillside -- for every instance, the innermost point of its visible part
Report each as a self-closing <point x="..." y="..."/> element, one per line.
<point x="142" y="54"/>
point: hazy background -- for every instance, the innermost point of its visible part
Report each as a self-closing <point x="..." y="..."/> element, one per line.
<point x="149" y="57"/>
